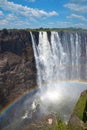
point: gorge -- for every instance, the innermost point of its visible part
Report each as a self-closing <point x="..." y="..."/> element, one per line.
<point x="52" y="63"/>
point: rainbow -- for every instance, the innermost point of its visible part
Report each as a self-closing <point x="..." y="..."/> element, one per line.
<point x="10" y="104"/>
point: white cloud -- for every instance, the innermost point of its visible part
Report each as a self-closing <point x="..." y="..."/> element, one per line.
<point x="66" y="24"/>
<point x="53" y="13"/>
<point x="77" y="17"/>
<point x="59" y="24"/>
<point x="3" y="22"/>
<point x="1" y="13"/>
<point x="76" y="7"/>
<point x="80" y="25"/>
<point x="24" y="10"/>
<point x="11" y="17"/>
<point x="16" y="24"/>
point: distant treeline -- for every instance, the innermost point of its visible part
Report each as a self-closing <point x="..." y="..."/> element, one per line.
<point x="48" y="29"/>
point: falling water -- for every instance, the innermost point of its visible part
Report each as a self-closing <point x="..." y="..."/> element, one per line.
<point x="58" y="59"/>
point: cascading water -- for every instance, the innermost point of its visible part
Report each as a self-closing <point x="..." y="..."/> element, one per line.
<point x="60" y="58"/>
<point x="56" y="60"/>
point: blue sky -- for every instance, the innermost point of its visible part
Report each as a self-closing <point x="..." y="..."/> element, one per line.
<point x="43" y="13"/>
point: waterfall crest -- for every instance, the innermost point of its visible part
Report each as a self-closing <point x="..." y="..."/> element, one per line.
<point x="58" y="59"/>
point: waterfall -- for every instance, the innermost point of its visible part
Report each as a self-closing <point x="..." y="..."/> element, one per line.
<point x="77" y="56"/>
<point x="50" y="58"/>
<point x="58" y="58"/>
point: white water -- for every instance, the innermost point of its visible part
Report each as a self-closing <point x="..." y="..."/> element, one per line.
<point x="58" y="60"/>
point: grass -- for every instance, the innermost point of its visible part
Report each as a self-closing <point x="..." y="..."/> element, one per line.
<point x="79" y="109"/>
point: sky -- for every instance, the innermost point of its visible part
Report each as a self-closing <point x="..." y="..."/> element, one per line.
<point x="43" y="13"/>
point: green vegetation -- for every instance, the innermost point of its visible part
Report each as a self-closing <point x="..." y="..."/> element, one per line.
<point x="50" y="29"/>
<point x="79" y="109"/>
<point x="57" y="125"/>
<point x="57" y="29"/>
<point x="61" y="126"/>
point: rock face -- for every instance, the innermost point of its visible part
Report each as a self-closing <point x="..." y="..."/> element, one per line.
<point x="78" y="118"/>
<point x="17" y="64"/>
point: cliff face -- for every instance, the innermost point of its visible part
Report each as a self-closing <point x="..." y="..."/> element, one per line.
<point x="17" y="64"/>
<point x="78" y="118"/>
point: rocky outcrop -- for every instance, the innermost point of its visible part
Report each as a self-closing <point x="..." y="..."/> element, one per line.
<point x="78" y="118"/>
<point x="17" y="64"/>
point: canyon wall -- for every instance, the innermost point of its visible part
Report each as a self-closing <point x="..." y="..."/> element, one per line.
<point x="17" y="62"/>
